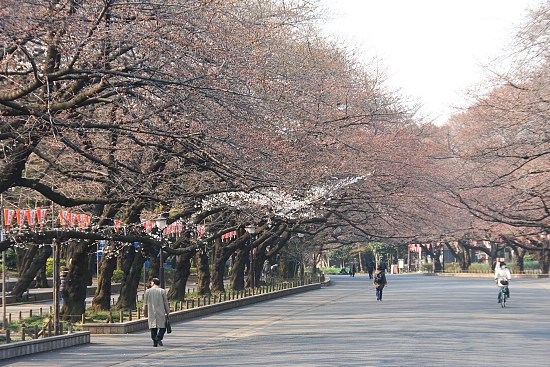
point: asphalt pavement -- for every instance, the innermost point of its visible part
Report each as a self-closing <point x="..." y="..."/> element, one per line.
<point x="422" y="321"/>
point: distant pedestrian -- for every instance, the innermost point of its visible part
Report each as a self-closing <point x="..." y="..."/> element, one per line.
<point x="383" y="265"/>
<point x="379" y="282"/>
<point x="157" y="310"/>
<point x="370" y="268"/>
<point x="352" y="271"/>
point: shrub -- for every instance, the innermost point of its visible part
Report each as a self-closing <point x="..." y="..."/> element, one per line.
<point x="452" y="268"/>
<point x="427" y="267"/>
<point x="479" y="268"/>
<point x="531" y="265"/>
<point x="117" y="277"/>
<point x="330" y="270"/>
<point x="49" y="266"/>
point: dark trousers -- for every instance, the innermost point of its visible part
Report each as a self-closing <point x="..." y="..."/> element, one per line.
<point x="379" y="293"/>
<point x="157" y="333"/>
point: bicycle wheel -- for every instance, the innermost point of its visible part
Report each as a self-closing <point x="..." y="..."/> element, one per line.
<point x="502" y="298"/>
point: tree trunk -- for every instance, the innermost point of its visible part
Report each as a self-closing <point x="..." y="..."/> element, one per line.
<point x="132" y="267"/>
<point x="203" y="272"/>
<point x="520" y="258"/>
<point x="25" y="258"/>
<point x="26" y="278"/>
<point x="154" y="265"/>
<point x="75" y="288"/>
<point x="102" y="298"/>
<point x="41" y="278"/>
<point x="181" y="275"/>
<point x="545" y="257"/>
<point x="221" y="255"/>
<point x="91" y="268"/>
<point x="237" y="271"/>
<point x="258" y="264"/>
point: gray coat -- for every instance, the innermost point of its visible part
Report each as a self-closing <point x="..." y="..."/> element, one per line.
<point x="155" y="306"/>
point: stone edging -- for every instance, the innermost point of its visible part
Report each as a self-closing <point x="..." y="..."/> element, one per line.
<point x="141" y="324"/>
<point x="26" y="347"/>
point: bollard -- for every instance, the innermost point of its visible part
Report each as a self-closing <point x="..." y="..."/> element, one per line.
<point x="198" y="302"/>
<point x="130" y="315"/>
<point x="193" y="303"/>
<point x="139" y="313"/>
<point x="40" y="311"/>
<point x="8" y="339"/>
<point x="23" y="330"/>
<point x="30" y="313"/>
<point x="121" y="316"/>
<point x="36" y="331"/>
<point x="20" y="315"/>
<point x="209" y="299"/>
<point x="9" y="317"/>
<point x="61" y="328"/>
<point x="83" y="319"/>
<point x="70" y="328"/>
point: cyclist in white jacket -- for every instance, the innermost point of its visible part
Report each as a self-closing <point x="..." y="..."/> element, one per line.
<point x="503" y="276"/>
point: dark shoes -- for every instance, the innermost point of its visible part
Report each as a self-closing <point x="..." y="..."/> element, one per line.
<point x="158" y="342"/>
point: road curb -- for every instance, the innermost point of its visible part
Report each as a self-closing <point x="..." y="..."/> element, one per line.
<point x="22" y="348"/>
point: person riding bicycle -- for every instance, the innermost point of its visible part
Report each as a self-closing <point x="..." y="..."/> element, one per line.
<point x="502" y="278"/>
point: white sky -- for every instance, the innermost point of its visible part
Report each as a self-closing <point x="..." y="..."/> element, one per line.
<point x="433" y="49"/>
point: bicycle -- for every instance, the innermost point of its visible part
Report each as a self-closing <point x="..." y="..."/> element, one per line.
<point x="504" y="292"/>
<point x="503" y="295"/>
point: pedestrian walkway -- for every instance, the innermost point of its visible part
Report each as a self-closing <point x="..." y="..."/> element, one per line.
<point x="422" y="321"/>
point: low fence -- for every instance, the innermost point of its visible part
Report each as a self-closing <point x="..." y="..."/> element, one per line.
<point x="196" y="309"/>
<point x="37" y="296"/>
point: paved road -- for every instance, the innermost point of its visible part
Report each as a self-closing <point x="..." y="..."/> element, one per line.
<point x="422" y="321"/>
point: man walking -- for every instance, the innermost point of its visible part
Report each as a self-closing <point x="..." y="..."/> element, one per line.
<point x="156" y="309"/>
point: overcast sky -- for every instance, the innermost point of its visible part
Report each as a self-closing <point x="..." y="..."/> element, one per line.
<point x="433" y="49"/>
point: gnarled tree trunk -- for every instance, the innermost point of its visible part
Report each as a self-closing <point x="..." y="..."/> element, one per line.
<point x="132" y="266"/>
<point x="203" y="272"/>
<point x="76" y="286"/>
<point x="237" y="271"/>
<point x="181" y="274"/>
<point x="37" y="262"/>
<point x="102" y="298"/>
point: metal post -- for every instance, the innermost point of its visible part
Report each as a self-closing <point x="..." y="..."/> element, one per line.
<point x="97" y="261"/>
<point x="56" y="285"/>
<point x="161" y="266"/>
<point x="4" y="320"/>
<point x="252" y="275"/>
